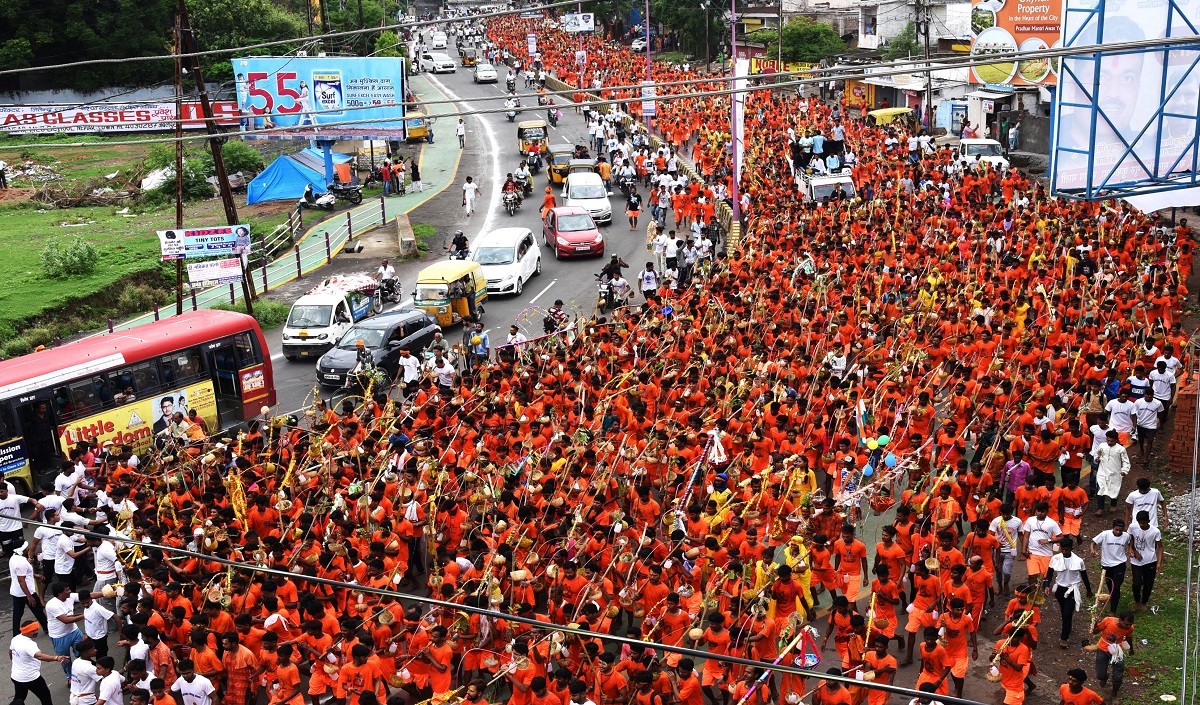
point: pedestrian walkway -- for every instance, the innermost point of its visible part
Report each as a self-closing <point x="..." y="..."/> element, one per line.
<point x="321" y="241"/>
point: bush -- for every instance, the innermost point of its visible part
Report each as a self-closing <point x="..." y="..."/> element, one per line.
<point x="269" y="314"/>
<point x="238" y="155"/>
<point x="136" y="298"/>
<point x="194" y="186"/>
<point x="77" y="257"/>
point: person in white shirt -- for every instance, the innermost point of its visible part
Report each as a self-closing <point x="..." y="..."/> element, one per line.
<point x="109" y="569"/>
<point x="69" y="547"/>
<point x="648" y="280"/>
<point x="1111" y="467"/>
<point x="45" y="542"/>
<point x="1162" y="381"/>
<point x="1038" y="535"/>
<point x="95" y="621"/>
<point x="1146" y="558"/>
<point x="1067" y="572"/>
<point x="1145" y="499"/>
<point x="84" y="677"/>
<point x="409" y="366"/>
<point x="62" y="622"/>
<point x="1120" y="415"/>
<point x="194" y="689"/>
<point x="1113" y="546"/>
<point x="11" y="535"/>
<point x="25" y="659"/>
<point x="22" y="587"/>
<point x="1147" y="414"/>
<point x="470" y="191"/>
<point x="109" y="691"/>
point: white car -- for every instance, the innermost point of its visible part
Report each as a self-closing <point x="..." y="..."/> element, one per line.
<point x="485" y="73"/>
<point x="585" y="189"/>
<point x="974" y="151"/>
<point x="437" y="63"/>
<point x="509" y="257"/>
<point x="638" y="44"/>
<point x="438" y="41"/>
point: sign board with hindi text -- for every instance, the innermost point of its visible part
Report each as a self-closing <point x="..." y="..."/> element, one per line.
<point x="218" y="271"/>
<point x="188" y="243"/>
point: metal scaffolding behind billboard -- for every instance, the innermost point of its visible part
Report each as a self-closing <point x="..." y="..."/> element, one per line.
<point x="1126" y="122"/>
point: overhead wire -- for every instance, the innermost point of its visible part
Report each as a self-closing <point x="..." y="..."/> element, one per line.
<point x="906" y="66"/>
<point x="471" y="609"/>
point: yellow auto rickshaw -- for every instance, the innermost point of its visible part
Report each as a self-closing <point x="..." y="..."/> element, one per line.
<point x="557" y="161"/>
<point x="531" y="134"/>
<point x="886" y="116"/>
<point x="469" y="56"/>
<point x="451" y="291"/>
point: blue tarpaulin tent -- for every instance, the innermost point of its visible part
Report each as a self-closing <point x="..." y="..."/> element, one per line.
<point x="287" y="176"/>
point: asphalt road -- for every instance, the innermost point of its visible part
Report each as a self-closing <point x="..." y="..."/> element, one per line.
<point x="490" y="154"/>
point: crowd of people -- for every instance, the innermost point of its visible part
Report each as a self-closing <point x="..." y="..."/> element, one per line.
<point x="950" y="356"/>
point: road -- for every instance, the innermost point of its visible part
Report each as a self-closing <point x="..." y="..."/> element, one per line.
<point x="490" y="154"/>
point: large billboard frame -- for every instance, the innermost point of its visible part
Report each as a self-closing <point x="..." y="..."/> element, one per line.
<point x="1080" y="99"/>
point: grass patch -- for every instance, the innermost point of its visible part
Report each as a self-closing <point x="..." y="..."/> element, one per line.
<point x="425" y="235"/>
<point x="1153" y="669"/>
<point x="269" y="314"/>
<point x="673" y="57"/>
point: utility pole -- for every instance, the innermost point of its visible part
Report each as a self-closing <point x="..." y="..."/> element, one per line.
<point x="215" y="141"/>
<point x="925" y="19"/>
<point x="178" y="44"/>
<point x="779" y="42"/>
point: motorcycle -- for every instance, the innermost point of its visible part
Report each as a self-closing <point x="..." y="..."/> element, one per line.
<point x="459" y="254"/>
<point x="325" y="201"/>
<point x="552" y="116"/>
<point x="534" y="162"/>
<point x="626" y="182"/>
<point x="511" y="202"/>
<point x="511" y="115"/>
<point x="347" y="192"/>
<point x="389" y="290"/>
<point x="511" y="84"/>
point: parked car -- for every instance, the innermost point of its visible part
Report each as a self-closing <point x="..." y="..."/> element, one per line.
<point x="571" y="232"/>
<point x="485" y="73"/>
<point x="509" y="258"/>
<point x="385" y="336"/>
<point x="638" y="44"/>
<point x="437" y="63"/>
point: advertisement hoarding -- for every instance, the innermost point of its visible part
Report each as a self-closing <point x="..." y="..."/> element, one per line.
<point x="331" y="97"/>
<point x="1009" y="26"/>
<point x="859" y="94"/>
<point x="576" y="22"/>
<point x="649" y="93"/>
<point x="187" y="243"/>
<point x="110" y="117"/>
<point x="763" y="64"/>
<point x="1126" y="120"/>
<point x="220" y="271"/>
<point x="137" y="422"/>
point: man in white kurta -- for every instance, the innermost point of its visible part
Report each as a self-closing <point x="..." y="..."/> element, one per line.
<point x="1112" y="465"/>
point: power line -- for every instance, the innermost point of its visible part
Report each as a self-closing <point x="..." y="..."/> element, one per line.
<point x="906" y="66"/>
<point x="283" y="42"/>
<point x="529" y="621"/>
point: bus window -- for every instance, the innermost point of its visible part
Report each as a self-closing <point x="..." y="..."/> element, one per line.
<point x="180" y="368"/>
<point x="247" y="350"/>
<point x="132" y="382"/>
<point x="85" y="397"/>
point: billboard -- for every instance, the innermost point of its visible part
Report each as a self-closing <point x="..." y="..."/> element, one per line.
<point x="649" y="93"/>
<point x="763" y="64"/>
<point x="110" y="117"/>
<point x="1126" y="122"/>
<point x="330" y="97"/>
<point x="859" y="94"/>
<point x="573" y="23"/>
<point x="217" y="271"/>
<point x="137" y="422"/>
<point x="1009" y="26"/>
<point x="187" y="243"/>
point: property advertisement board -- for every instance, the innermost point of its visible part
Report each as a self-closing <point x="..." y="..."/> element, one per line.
<point x="110" y="117"/>
<point x="1003" y="26"/>
<point x="187" y="243"/>
<point x="327" y="97"/>
<point x="218" y="271"/>
<point x="575" y="22"/>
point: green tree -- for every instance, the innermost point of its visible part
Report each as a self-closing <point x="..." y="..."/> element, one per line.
<point x="388" y="44"/>
<point x="228" y="24"/>
<point x="804" y="39"/>
<point x="903" y="45"/>
<point x="42" y="32"/>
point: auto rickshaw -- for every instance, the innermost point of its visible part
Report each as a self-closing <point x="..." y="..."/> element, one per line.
<point x="557" y="161"/>
<point x="451" y="291"/>
<point x="887" y="116"/>
<point x="582" y="165"/>
<point x="531" y="134"/>
<point x="469" y="56"/>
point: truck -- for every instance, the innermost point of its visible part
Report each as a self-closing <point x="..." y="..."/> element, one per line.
<point x="321" y="316"/>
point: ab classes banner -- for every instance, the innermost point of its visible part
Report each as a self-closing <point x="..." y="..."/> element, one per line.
<point x="109" y="117"/>
<point x="223" y="240"/>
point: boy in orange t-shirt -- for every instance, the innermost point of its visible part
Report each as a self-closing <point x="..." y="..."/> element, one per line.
<point x="1073" y="693"/>
<point x="958" y="629"/>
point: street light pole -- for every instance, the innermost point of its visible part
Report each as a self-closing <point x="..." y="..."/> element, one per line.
<point x="733" y="114"/>
<point x="648" y="61"/>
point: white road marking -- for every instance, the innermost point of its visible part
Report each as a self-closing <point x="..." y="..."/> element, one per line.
<point x="494" y="206"/>
<point x="543" y="291"/>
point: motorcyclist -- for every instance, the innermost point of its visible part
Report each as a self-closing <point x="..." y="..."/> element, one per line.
<point x="552" y="113"/>
<point x="364" y="360"/>
<point x="525" y="178"/>
<point x="459" y="245"/>
<point x="612" y="270"/>
<point x="625" y="174"/>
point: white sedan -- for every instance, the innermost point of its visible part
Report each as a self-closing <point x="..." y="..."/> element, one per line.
<point x="485" y="73"/>
<point x="638" y="44"/>
<point x="437" y="63"/>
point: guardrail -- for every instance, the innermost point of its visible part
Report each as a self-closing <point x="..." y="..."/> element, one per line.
<point x="316" y="248"/>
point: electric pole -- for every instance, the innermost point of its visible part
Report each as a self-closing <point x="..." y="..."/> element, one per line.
<point x="779" y="42"/>
<point x="925" y="19"/>
<point x="215" y="140"/>
<point x="178" y="47"/>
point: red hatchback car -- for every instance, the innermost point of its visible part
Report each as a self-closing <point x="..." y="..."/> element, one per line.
<point x="571" y="232"/>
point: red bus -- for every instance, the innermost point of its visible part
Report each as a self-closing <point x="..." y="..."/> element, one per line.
<point x="124" y="386"/>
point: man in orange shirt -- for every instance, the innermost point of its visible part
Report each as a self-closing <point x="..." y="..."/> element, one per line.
<point x="1013" y="664"/>
<point x="882" y="668"/>
<point x="957" y="629"/>
<point x="832" y="692"/>
<point x="1073" y="693"/>
<point x="850" y="562"/>
<point x="936" y="662"/>
<point x="1114" y="632"/>
<point x="360" y="677"/>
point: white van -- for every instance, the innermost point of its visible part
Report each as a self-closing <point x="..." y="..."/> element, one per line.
<point x="974" y="151"/>
<point x="321" y="316"/>
<point x="509" y="257"/>
<point x="818" y="188"/>
<point x="586" y="190"/>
